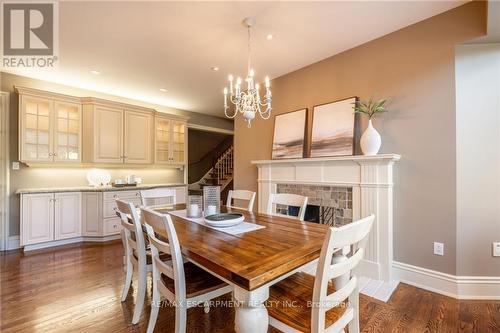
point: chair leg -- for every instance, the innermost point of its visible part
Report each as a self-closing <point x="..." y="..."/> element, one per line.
<point x="180" y="318"/>
<point x="155" y="307"/>
<point x="141" y="294"/>
<point x="354" y="304"/>
<point x="128" y="280"/>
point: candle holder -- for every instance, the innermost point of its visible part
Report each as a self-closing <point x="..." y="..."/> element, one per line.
<point x="211" y="200"/>
<point x="194" y="205"/>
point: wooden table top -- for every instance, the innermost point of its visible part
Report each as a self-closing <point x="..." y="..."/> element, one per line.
<point x="254" y="258"/>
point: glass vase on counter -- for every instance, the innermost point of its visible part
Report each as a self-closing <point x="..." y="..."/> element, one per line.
<point x="211" y="200"/>
<point x="194" y="206"/>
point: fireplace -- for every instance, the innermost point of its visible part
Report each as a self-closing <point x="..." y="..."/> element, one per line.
<point x="330" y="205"/>
<point x="340" y="190"/>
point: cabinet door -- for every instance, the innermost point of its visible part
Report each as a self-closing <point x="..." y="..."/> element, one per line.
<point x="138" y="137"/>
<point x="37" y="218"/>
<point x="67" y="132"/>
<point x="91" y="206"/>
<point x="36" y="128"/>
<point x="178" y="142"/>
<point x="108" y="135"/>
<point x="162" y="141"/>
<point x="68" y="215"/>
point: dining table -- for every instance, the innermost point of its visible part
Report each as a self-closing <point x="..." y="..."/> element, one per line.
<point x="250" y="261"/>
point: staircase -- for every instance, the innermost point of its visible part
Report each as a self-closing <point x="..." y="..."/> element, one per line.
<point x="221" y="173"/>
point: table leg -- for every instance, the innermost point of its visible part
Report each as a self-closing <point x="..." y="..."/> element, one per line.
<point x="251" y="314"/>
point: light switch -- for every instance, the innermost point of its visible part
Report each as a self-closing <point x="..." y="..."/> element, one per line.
<point x="15" y="165"/>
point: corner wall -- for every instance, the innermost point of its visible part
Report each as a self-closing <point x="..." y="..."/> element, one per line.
<point x="478" y="158"/>
<point x="415" y="68"/>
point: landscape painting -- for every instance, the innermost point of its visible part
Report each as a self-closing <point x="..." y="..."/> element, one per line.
<point x="289" y="132"/>
<point x="333" y="129"/>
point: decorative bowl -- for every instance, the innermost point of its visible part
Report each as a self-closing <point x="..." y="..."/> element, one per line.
<point x="224" y="220"/>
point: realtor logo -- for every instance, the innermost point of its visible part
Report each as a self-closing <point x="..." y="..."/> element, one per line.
<point x="29" y="32"/>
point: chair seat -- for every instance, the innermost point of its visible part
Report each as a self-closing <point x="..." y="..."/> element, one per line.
<point x="198" y="281"/>
<point x="149" y="257"/>
<point x="290" y="302"/>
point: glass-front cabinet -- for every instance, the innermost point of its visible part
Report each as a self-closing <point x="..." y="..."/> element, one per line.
<point x="50" y="130"/>
<point x="170" y="141"/>
<point x="67" y="138"/>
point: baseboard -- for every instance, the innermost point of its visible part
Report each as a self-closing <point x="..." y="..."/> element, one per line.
<point x="13" y="243"/>
<point x="70" y="241"/>
<point x="459" y="287"/>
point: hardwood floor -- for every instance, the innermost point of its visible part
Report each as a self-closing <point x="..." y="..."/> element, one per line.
<point x="77" y="289"/>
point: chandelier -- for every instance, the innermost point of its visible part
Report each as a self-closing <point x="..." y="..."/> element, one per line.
<point x="247" y="102"/>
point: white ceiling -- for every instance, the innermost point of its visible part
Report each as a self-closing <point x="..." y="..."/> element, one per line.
<point x="140" y="47"/>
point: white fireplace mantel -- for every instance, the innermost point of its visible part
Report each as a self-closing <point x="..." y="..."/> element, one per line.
<point x="371" y="179"/>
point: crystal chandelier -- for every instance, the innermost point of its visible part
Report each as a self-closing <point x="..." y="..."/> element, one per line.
<point x="248" y="102"/>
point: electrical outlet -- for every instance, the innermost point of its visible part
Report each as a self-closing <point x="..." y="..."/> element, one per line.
<point x="438" y="249"/>
<point x="496" y="249"/>
<point x="15" y="165"/>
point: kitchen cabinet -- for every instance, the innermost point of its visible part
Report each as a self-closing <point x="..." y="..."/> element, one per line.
<point x="49" y="128"/>
<point x="50" y="216"/>
<point x="37" y="218"/>
<point x="108" y="135"/>
<point x="49" y="219"/>
<point x="170" y="141"/>
<point x="117" y="134"/>
<point x="138" y="140"/>
<point x="67" y="215"/>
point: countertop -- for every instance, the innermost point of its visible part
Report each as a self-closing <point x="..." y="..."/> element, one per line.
<point x="95" y="189"/>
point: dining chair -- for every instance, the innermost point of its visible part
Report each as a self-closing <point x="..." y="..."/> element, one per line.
<point x="137" y="255"/>
<point x="183" y="284"/>
<point x="320" y="304"/>
<point x="243" y="195"/>
<point x="286" y="199"/>
<point x="158" y="197"/>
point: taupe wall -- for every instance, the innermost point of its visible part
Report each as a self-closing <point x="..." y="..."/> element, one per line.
<point x="478" y="158"/>
<point x="415" y="68"/>
<point x="49" y="177"/>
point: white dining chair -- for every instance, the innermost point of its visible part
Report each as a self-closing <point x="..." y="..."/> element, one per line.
<point x="183" y="284"/>
<point x="320" y="303"/>
<point x="137" y="255"/>
<point x="158" y="197"/>
<point x="242" y="195"/>
<point x="286" y="199"/>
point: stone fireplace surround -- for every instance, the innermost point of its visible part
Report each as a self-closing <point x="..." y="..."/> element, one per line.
<point x="333" y="202"/>
<point x="370" y="179"/>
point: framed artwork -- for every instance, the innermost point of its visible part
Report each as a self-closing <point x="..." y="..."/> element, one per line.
<point x="332" y="131"/>
<point x="289" y="134"/>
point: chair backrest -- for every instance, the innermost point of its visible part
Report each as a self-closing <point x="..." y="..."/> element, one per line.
<point x="158" y="197"/>
<point x="342" y="251"/>
<point x="241" y="195"/>
<point x="286" y="199"/>
<point x="132" y="235"/>
<point x="174" y="269"/>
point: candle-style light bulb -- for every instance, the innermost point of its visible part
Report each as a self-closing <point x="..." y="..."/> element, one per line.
<point x="231" y="84"/>
<point x="252" y="73"/>
<point x="268" y="84"/>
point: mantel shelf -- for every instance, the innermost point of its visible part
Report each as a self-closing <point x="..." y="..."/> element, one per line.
<point x="353" y="158"/>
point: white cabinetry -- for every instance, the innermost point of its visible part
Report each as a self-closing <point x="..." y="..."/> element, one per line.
<point x="170" y="141"/>
<point x="37" y="218"/>
<point x="67" y="215"/>
<point x="50" y="217"/>
<point x="117" y="134"/>
<point x="50" y="128"/>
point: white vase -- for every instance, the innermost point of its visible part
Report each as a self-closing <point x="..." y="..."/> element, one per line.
<point x="370" y="140"/>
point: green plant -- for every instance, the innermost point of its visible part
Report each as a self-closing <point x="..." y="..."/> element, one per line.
<point x="370" y="107"/>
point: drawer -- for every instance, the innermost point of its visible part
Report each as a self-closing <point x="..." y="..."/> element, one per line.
<point x="112" y="195"/>
<point x="111" y="227"/>
<point x="109" y="207"/>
